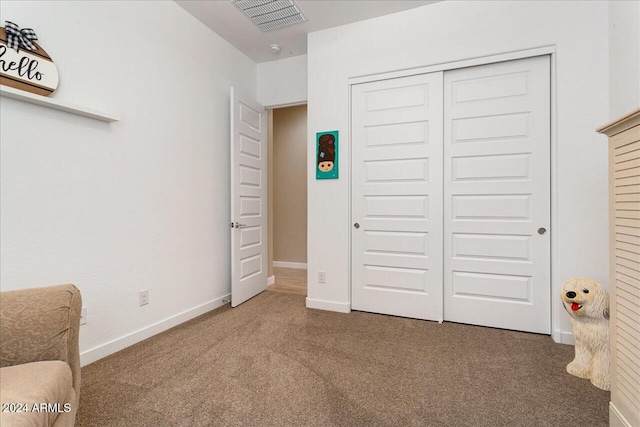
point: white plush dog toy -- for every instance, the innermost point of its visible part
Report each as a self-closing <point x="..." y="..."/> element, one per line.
<point x="588" y="305"/>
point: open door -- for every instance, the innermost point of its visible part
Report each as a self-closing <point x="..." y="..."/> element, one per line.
<point x="248" y="199"/>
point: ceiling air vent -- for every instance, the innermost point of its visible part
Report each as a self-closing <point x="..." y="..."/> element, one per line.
<point x="271" y="14"/>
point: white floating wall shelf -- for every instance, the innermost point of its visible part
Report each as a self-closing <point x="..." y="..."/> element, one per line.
<point x="43" y="101"/>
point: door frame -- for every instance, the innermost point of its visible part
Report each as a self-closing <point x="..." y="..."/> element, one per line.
<point x="556" y="334"/>
<point x="269" y="239"/>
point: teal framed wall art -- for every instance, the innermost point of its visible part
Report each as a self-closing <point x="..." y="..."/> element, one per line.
<point x="327" y="155"/>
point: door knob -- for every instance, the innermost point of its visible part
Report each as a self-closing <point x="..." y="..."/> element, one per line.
<point x="356" y="225"/>
<point x="542" y="230"/>
<point x="238" y="225"/>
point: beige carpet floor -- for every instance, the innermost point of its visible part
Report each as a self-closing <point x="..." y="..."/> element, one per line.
<point x="289" y="281"/>
<point x="272" y="362"/>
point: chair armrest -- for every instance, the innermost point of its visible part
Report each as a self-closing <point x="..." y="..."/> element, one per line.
<point x="41" y="324"/>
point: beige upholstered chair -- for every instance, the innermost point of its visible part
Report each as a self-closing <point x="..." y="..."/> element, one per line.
<point x="40" y="356"/>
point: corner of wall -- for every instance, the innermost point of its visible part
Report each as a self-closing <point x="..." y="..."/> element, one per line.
<point x="318" y="304"/>
<point x="563" y="337"/>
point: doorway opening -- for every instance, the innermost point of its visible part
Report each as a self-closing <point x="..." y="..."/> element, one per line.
<point x="287" y="199"/>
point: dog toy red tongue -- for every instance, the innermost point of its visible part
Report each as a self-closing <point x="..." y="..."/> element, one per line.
<point x="575" y="307"/>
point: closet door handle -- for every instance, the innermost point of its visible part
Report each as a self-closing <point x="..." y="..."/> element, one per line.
<point x="238" y="225"/>
<point x="356" y="225"/>
<point x="542" y="230"/>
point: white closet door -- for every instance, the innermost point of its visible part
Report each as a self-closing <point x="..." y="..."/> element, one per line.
<point x="397" y="197"/>
<point x="497" y="195"/>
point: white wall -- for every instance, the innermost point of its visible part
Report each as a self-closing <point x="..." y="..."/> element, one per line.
<point x="283" y="82"/>
<point x="141" y="203"/>
<point x="624" y="55"/>
<point x="457" y="30"/>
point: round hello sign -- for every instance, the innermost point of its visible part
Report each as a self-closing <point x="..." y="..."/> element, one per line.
<point x="24" y="64"/>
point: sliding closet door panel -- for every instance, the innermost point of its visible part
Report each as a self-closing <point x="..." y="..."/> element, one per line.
<point x="397" y="197"/>
<point x="497" y="195"/>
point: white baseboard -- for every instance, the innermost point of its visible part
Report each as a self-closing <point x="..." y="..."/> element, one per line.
<point x="104" y="350"/>
<point x="271" y="280"/>
<point x="616" y="419"/>
<point x="340" y="307"/>
<point x="300" y="265"/>
<point x="563" y="337"/>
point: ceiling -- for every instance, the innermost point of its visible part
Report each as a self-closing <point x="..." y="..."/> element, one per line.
<point x="227" y="20"/>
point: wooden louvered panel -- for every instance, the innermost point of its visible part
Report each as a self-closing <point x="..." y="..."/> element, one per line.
<point x="628" y="317"/>
<point x="629" y="214"/>
<point x="628" y="356"/>
<point x="626" y="144"/>
<point x="628" y="308"/>
<point x="627" y="153"/>
<point x="626" y="271"/>
<point x="634" y="240"/>
<point x="633" y="266"/>
<point x="628" y="391"/>
<point x="625" y="157"/>
<point x="631" y="180"/>
<point x="629" y="231"/>
<point x="628" y="247"/>
<point x="630" y="189"/>
<point x="624" y="197"/>
<point x="627" y="360"/>
<point x="629" y="164"/>
<point x="630" y="256"/>
<point x="631" y="292"/>
<point x="630" y="368"/>
<point x="632" y="388"/>
<point x="632" y="341"/>
<point x="634" y="300"/>
<point x="628" y="284"/>
<point x="632" y="199"/>
<point x="626" y="173"/>
<point x="631" y="223"/>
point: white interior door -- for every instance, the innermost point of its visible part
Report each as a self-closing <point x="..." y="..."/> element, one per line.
<point x="397" y="197"/>
<point x="248" y="199"/>
<point x="497" y="195"/>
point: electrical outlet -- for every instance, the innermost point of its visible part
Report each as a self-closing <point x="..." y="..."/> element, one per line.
<point x="144" y="297"/>
<point x="83" y="316"/>
<point x="322" y="277"/>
